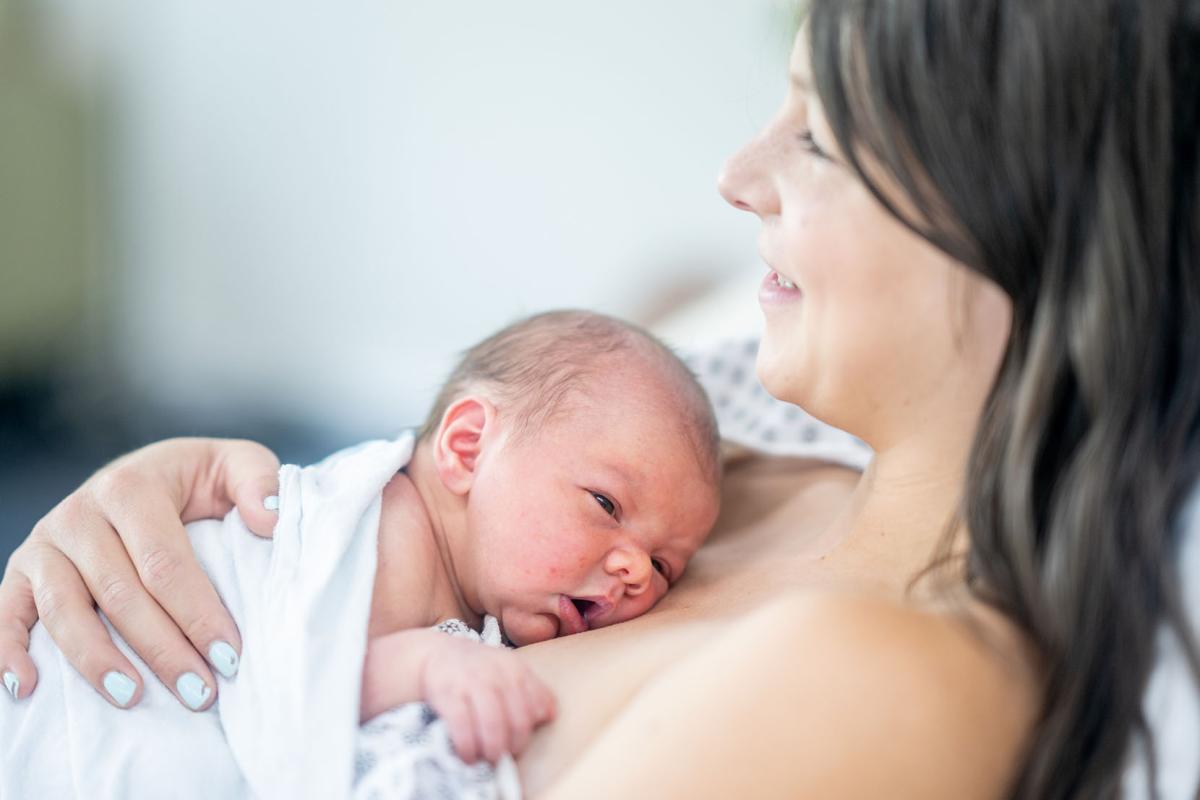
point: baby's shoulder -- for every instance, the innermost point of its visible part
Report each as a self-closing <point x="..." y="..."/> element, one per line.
<point x="402" y="510"/>
<point x="407" y="559"/>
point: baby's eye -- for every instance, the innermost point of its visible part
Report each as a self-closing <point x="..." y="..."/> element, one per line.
<point x="609" y="507"/>
<point x="659" y="565"/>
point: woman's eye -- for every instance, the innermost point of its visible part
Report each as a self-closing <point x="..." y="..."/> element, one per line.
<point x="659" y="565"/>
<point x="810" y="144"/>
<point x="608" y="505"/>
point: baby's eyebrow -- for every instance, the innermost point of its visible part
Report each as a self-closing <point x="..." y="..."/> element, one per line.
<point x="621" y="474"/>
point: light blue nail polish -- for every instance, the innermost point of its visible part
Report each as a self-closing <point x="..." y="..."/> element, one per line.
<point x="12" y="683"/>
<point x="120" y="687"/>
<point x="224" y="658"/>
<point x="271" y="502"/>
<point x="193" y="690"/>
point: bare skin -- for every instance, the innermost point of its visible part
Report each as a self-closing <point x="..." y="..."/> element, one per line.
<point x="781" y="534"/>
<point x="791" y="659"/>
<point x="788" y="525"/>
<point x="777" y="513"/>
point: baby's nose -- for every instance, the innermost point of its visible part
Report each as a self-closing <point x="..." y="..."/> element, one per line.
<point x="637" y="577"/>
<point x="633" y="569"/>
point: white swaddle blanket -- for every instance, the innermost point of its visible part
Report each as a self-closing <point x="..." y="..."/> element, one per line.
<point x="287" y="724"/>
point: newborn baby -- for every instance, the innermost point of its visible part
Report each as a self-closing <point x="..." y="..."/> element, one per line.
<point x="564" y="477"/>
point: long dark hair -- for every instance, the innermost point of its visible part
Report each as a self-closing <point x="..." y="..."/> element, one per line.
<point x="1053" y="146"/>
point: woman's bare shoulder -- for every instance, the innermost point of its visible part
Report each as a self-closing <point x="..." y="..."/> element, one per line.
<point x="829" y="695"/>
<point x="944" y="636"/>
<point x="941" y="699"/>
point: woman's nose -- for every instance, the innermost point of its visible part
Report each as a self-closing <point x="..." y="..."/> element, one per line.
<point x="746" y="181"/>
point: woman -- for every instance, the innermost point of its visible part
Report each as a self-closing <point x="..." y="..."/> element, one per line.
<point x="981" y="224"/>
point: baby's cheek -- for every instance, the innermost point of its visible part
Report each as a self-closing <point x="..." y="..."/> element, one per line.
<point x="522" y="629"/>
<point x="635" y="607"/>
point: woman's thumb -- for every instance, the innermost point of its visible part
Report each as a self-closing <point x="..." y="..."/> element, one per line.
<point x="253" y="485"/>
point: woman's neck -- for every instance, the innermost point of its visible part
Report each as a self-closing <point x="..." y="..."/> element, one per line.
<point x="905" y="506"/>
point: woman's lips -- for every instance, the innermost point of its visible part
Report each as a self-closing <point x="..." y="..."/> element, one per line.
<point x="771" y="293"/>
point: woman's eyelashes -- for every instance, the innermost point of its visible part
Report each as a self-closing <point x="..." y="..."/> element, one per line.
<point x="810" y="144"/>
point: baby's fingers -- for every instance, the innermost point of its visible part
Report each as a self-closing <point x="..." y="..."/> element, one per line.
<point x="540" y="699"/>
<point x="491" y="722"/>
<point x="521" y="719"/>
<point x="460" y="724"/>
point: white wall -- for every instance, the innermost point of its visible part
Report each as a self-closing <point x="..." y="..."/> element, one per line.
<point x="318" y="204"/>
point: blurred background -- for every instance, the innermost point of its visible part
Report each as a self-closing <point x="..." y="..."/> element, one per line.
<point x="283" y="220"/>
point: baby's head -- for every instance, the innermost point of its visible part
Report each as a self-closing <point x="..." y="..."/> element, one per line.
<point x="586" y="456"/>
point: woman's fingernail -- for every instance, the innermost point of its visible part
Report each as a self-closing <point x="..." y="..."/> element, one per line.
<point x="120" y="687"/>
<point x="271" y="502"/>
<point x="224" y="658"/>
<point x="12" y="683"/>
<point x="193" y="690"/>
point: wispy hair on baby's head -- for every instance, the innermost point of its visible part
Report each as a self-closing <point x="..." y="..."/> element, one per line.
<point x="533" y="369"/>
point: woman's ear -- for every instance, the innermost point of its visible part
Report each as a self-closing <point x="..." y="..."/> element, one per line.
<point x="460" y="439"/>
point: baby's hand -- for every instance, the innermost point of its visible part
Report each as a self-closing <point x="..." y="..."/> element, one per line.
<point x="490" y="701"/>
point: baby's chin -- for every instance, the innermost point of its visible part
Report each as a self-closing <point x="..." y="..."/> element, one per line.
<point x="523" y="629"/>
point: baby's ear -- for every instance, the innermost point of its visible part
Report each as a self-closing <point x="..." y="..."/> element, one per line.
<point x="459" y="440"/>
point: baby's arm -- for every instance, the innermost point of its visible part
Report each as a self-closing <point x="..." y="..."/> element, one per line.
<point x="489" y="700"/>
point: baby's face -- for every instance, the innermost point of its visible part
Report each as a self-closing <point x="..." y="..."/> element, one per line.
<point x="587" y="521"/>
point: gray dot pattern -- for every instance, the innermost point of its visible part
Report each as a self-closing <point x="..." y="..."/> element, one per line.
<point x="749" y="416"/>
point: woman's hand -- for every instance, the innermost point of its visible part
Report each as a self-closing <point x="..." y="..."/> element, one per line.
<point x="118" y="543"/>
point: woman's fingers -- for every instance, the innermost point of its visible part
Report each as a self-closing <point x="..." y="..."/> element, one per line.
<point x="65" y="606"/>
<point x="153" y="539"/>
<point x="246" y="474"/>
<point x="128" y="597"/>
<point x="18" y="614"/>
<point x="257" y="500"/>
<point x="103" y="570"/>
<point x="231" y="472"/>
<point x="156" y="595"/>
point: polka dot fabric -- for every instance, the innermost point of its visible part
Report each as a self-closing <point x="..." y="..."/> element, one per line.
<point x="750" y="417"/>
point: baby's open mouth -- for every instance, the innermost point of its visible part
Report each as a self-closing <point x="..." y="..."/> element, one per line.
<point x="579" y="614"/>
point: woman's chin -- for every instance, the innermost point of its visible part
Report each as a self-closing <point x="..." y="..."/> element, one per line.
<point x="778" y="374"/>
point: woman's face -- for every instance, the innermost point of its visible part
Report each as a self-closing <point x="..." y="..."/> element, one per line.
<point x="867" y="324"/>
